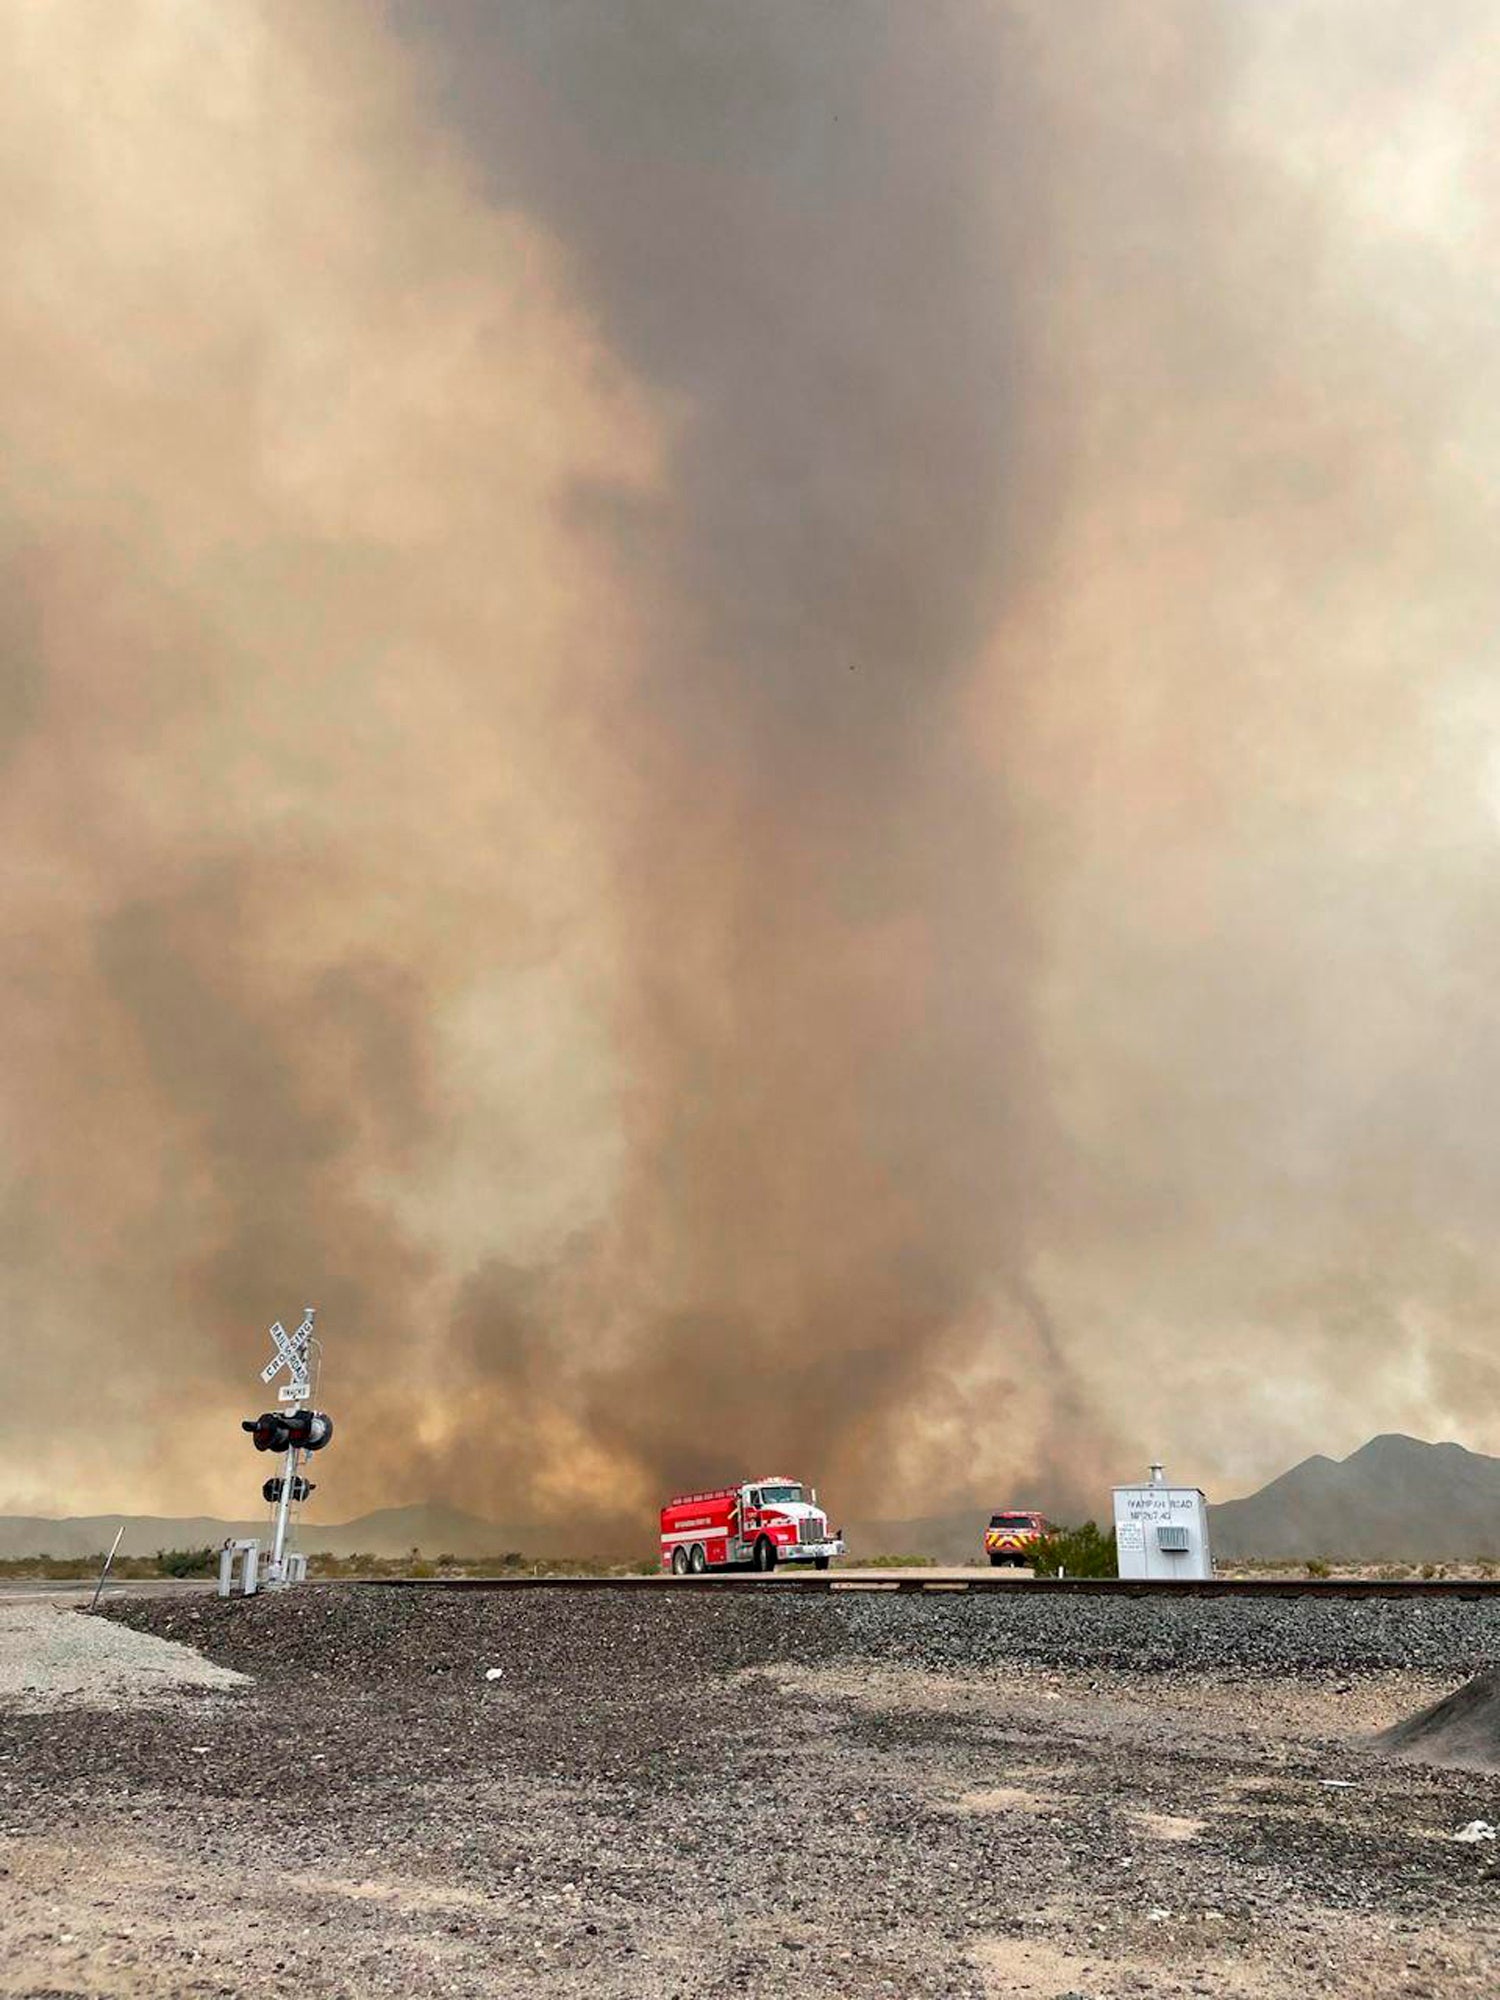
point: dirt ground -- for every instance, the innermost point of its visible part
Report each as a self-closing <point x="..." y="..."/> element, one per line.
<point x="650" y="1797"/>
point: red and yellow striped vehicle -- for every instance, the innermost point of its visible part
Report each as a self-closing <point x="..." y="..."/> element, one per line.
<point x="1009" y="1537"/>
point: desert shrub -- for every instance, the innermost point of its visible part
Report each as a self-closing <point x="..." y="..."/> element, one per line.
<point x="51" y="1566"/>
<point x="1085" y="1551"/>
<point x="187" y="1562"/>
<point x="895" y="1562"/>
<point x="1317" y="1567"/>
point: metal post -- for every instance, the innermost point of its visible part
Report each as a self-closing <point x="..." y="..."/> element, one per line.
<point x="107" y="1561"/>
<point x="283" y="1512"/>
<point x="248" y="1554"/>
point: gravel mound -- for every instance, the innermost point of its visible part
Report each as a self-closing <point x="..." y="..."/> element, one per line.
<point x="536" y="1639"/>
<point x="56" y="1658"/>
<point x="1463" y="1729"/>
<point x="541" y="1640"/>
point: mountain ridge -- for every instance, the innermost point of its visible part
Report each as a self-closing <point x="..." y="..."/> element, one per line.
<point x="1395" y="1498"/>
<point x="388" y="1531"/>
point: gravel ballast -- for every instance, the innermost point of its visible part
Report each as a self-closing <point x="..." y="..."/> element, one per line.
<point x="538" y="1636"/>
<point x="630" y="1796"/>
<point x="1155" y="1635"/>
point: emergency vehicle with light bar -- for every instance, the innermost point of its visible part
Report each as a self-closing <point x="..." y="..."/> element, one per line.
<point x="754" y="1526"/>
<point x="1010" y="1538"/>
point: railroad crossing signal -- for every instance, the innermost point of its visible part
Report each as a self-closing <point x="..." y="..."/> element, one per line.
<point x="294" y="1353"/>
<point x="297" y="1433"/>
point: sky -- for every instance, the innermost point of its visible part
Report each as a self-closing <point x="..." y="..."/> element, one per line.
<point x="766" y="733"/>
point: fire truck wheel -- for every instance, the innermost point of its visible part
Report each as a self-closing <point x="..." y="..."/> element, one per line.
<point x="697" y="1561"/>
<point x="820" y="1562"/>
<point x="679" y="1562"/>
<point x="765" y="1554"/>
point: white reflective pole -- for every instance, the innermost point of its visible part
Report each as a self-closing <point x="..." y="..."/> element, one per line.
<point x="283" y="1510"/>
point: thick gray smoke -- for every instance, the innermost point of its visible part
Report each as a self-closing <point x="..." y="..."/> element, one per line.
<point x="764" y="732"/>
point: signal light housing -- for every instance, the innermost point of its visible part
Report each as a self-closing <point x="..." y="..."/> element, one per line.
<point x="270" y="1430"/>
<point x="310" y="1430"/>
<point x="279" y="1430"/>
<point x="272" y="1490"/>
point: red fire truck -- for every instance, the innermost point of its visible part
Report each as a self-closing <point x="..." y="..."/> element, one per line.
<point x="754" y="1526"/>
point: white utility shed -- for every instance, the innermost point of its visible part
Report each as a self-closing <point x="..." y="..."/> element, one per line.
<point x="1161" y="1530"/>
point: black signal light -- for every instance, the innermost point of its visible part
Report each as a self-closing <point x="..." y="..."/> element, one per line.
<point x="272" y="1490"/>
<point x="270" y="1430"/>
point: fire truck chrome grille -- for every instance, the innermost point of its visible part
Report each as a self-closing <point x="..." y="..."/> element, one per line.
<point x="810" y="1530"/>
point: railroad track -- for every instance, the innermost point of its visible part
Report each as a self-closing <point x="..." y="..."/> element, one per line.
<point x="916" y="1586"/>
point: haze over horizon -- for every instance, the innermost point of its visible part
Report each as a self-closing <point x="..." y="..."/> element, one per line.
<point x="767" y="734"/>
<point x="1390" y="1453"/>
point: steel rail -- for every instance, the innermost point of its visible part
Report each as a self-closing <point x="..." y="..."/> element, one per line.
<point x="914" y="1586"/>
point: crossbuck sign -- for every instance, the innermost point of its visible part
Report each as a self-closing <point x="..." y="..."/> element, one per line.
<point x="294" y="1354"/>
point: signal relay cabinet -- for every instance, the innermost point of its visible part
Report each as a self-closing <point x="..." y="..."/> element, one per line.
<point x="1162" y="1531"/>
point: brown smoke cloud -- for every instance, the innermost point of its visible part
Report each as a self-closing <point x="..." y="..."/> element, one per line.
<point x="316" y="653"/>
<point x="765" y="734"/>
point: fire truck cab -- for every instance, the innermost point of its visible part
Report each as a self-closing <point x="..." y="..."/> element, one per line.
<point x="752" y="1526"/>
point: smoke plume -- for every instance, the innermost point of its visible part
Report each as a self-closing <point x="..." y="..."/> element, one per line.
<point x="764" y="734"/>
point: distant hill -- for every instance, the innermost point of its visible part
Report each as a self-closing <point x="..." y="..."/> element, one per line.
<point x="395" y="1531"/>
<point x="91" y="1534"/>
<point x="1395" y="1498"/>
<point x="392" y="1531"/>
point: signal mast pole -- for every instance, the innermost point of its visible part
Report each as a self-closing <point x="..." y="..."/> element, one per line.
<point x="302" y="1356"/>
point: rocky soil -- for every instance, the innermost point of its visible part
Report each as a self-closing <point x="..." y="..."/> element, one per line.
<point x="620" y="1794"/>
